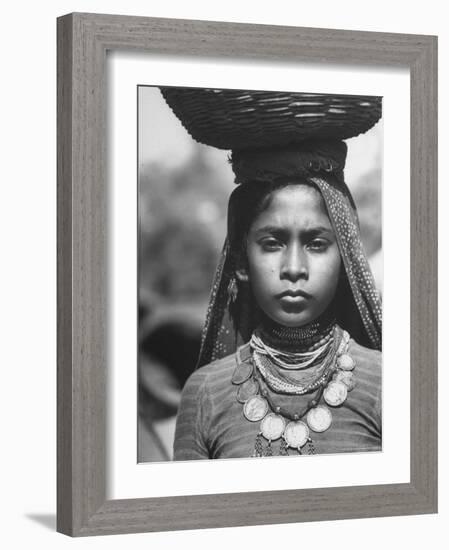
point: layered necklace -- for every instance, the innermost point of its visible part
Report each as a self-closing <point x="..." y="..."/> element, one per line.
<point x="294" y="361"/>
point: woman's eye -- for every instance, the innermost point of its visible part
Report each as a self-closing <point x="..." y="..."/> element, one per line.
<point x="270" y="244"/>
<point x="318" y="245"/>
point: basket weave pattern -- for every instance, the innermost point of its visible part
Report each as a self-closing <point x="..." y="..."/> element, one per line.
<point x="236" y="119"/>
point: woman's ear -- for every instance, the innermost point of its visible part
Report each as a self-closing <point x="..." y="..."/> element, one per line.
<point x="242" y="275"/>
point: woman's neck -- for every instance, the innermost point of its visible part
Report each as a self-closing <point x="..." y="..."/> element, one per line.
<point x="296" y="339"/>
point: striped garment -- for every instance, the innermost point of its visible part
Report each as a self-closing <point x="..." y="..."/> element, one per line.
<point x="211" y="423"/>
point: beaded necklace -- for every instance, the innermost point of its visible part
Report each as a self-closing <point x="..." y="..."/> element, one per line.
<point x="282" y="383"/>
<point x="292" y="360"/>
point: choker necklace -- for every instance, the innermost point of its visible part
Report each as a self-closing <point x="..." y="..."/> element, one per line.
<point x="332" y="379"/>
<point x="297" y="339"/>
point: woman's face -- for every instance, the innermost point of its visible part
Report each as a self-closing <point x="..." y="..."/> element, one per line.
<point x="293" y="257"/>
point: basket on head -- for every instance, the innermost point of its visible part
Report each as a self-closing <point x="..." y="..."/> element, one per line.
<point x="242" y="119"/>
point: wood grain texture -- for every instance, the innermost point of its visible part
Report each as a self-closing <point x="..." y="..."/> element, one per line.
<point x="64" y="278"/>
<point x="423" y="281"/>
<point x="83" y="227"/>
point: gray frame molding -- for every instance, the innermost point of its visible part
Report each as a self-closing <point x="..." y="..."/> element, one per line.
<point x="83" y="40"/>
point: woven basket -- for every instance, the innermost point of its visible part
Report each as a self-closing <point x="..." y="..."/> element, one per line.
<point x="239" y="119"/>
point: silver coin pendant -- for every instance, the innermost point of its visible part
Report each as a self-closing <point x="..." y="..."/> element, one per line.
<point x="272" y="426"/>
<point x="247" y="390"/>
<point x="346" y="377"/>
<point x="345" y="362"/>
<point x="335" y="393"/>
<point x="319" y="419"/>
<point x="255" y="408"/>
<point x="296" y="434"/>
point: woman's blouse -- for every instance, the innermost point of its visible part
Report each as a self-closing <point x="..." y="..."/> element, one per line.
<point x="211" y="423"/>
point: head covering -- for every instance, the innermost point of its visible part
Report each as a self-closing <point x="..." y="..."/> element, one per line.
<point x="318" y="163"/>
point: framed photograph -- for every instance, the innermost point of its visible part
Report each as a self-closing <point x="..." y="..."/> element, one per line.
<point x="247" y="281"/>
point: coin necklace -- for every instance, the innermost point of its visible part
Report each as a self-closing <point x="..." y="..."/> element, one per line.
<point x="334" y="384"/>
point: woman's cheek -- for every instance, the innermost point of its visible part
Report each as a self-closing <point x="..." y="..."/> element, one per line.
<point x="329" y="263"/>
<point x="262" y="265"/>
<point x="263" y="273"/>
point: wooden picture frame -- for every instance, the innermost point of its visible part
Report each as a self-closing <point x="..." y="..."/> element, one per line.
<point x="83" y="40"/>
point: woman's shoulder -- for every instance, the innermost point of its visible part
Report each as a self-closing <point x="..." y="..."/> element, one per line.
<point x="216" y="373"/>
<point x="366" y="359"/>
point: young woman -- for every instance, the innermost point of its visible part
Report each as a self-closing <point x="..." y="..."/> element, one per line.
<point x="294" y="296"/>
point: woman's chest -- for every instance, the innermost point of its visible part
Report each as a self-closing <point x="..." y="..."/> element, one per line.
<point x="239" y="431"/>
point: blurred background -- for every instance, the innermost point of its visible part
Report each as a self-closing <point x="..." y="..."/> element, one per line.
<point x="183" y="192"/>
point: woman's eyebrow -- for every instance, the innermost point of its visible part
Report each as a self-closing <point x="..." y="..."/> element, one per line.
<point x="309" y="231"/>
<point x="272" y="229"/>
<point x="319" y="230"/>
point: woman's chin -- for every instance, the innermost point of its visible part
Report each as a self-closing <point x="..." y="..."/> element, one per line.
<point x="293" y="319"/>
<point x="294" y="324"/>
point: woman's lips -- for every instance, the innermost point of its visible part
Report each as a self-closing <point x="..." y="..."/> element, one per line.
<point x="293" y="304"/>
<point x="293" y="301"/>
<point x="294" y="295"/>
<point x="289" y="299"/>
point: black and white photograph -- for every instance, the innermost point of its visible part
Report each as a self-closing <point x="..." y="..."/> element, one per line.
<point x="260" y="274"/>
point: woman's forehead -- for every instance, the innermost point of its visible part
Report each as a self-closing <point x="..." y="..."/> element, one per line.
<point x="299" y="205"/>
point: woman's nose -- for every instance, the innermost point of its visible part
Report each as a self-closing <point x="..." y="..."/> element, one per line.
<point x="295" y="264"/>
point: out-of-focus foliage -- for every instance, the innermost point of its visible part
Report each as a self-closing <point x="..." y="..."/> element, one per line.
<point x="368" y="199"/>
<point x="182" y="223"/>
